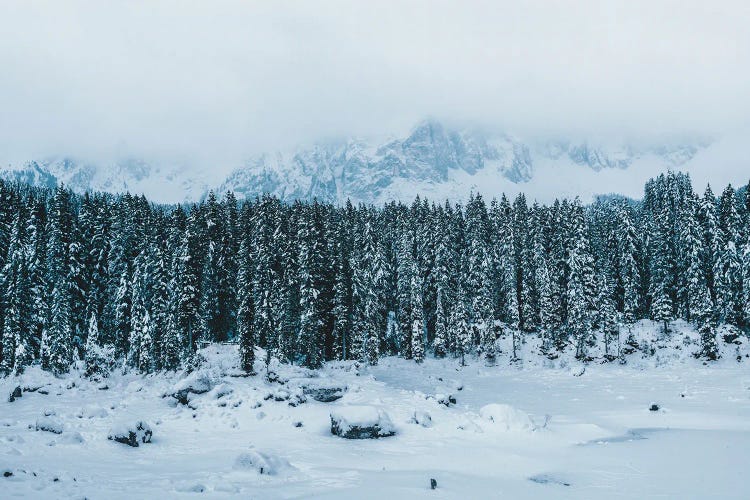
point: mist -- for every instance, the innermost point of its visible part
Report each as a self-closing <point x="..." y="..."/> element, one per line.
<point x="206" y="84"/>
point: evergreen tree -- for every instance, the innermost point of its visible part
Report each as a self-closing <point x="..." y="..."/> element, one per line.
<point x="417" y="318"/>
<point x="245" y="312"/>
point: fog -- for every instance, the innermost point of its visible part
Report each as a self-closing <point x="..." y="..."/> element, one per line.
<point x="208" y="83"/>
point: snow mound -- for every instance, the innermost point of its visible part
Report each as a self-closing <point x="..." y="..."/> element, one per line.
<point x="507" y="417"/>
<point x="131" y="435"/>
<point x="69" y="438"/>
<point x="92" y="411"/>
<point x="361" y="422"/>
<point x="263" y="462"/>
<point x="49" y="424"/>
<point x="421" y="418"/>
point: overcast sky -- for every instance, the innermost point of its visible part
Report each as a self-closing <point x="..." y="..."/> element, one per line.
<point x="219" y="80"/>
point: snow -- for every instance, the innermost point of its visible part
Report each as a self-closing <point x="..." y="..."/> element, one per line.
<point x="357" y="421"/>
<point x="262" y="462"/>
<point x="506" y="417"/>
<point x="593" y="437"/>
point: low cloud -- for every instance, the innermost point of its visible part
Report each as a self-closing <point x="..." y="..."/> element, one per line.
<point x="208" y="83"/>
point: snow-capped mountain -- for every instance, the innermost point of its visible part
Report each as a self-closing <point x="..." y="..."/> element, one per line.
<point x="161" y="183"/>
<point x="431" y="160"/>
<point x="438" y="162"/>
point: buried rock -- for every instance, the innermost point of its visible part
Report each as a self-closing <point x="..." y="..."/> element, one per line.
<point x="361" y="422"/>
<point x="195" y="383"/>
<point x="653" y="407"/>
<point x="49" y="423"/>
<point x="324" y="394"/>
<point x="131" y="435"/>
<point x="421" y="418"/>
<point x="17" y="393"/>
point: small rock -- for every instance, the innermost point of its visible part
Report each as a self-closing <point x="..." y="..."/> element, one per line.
<point x="433" y="484"/>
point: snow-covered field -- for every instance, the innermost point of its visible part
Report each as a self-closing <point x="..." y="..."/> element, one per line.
<point x="522" y="431"/>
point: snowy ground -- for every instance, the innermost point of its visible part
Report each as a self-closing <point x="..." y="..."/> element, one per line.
<point x="567" y="434"/>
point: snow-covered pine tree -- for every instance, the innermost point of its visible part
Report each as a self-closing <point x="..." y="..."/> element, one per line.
<point x="746" y="282"/>
<point x="581" y="291"/>
<point x="245" y="311"/>
<point x="405" y="268"/>
<point x="38" y="274"/>
<point x="342" y="287"/>
<point x="661" y="301"/>
<point x="188" y="293"/>
<point x="311" y="336"/>
<point x="629" y="273"/>
<point x="14" y="280"/>
<point x="417" y="317"/>
<point x="460" y="321"/>
<point x="57" y="339"/>
<point x="728" y="264"/>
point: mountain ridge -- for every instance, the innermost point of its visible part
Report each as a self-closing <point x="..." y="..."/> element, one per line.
<point x="431" y="159"/>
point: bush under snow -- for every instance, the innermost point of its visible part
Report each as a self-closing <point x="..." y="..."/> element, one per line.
<point x="361" y="422"/>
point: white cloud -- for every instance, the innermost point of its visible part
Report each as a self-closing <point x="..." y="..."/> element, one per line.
<point x="213" y="81"/>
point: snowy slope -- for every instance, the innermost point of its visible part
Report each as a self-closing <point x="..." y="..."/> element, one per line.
<point x="516" y="431"/>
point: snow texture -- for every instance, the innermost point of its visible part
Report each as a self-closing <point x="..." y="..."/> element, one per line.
<point x="361" y="422"/>
<point x="600" y="439"/>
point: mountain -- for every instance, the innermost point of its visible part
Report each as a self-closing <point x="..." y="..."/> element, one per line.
<point x="438" y="162"/>
<point x="431" y="160"/>
<point x="159" y="182"/>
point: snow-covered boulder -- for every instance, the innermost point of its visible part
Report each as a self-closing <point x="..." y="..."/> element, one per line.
<point x="361" y="422"/>
<point x="197" y="382"/>
<point x="17" y="393"/>
<point x="421" y="418"/>
<point x="131" y="435"/>
<point x="220" y="391"/>
<point x="324" y="392"/>
<point x="49" y="424"/>
<point x="506" y="417"/>
<point x="263" y="462"/>
<point x="294" y="397"/>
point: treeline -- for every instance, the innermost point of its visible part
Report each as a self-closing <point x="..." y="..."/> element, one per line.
<point x="115" y="279"/>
